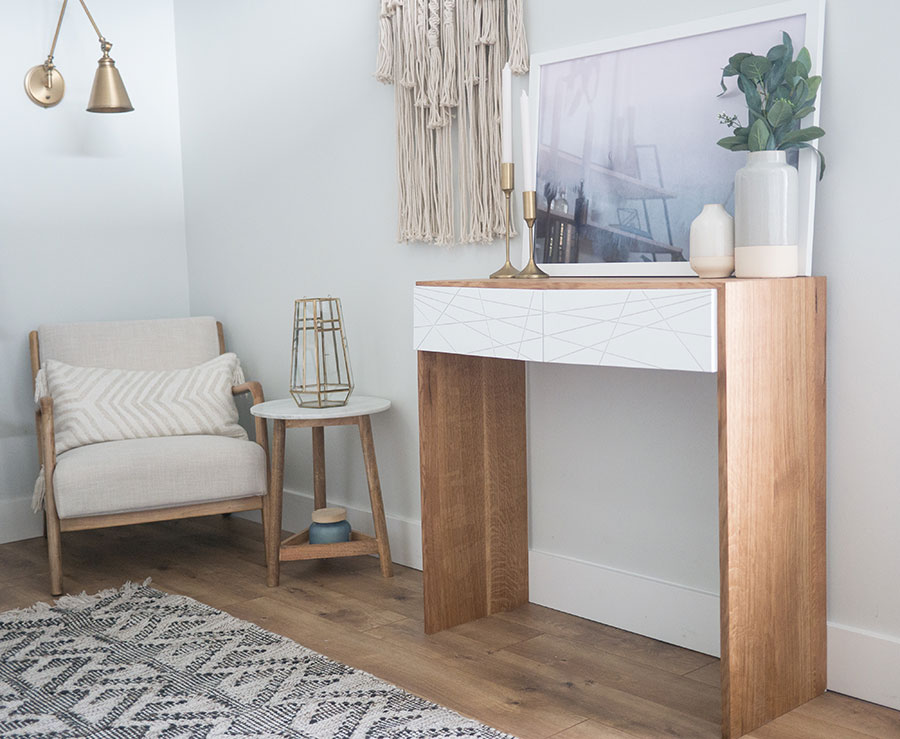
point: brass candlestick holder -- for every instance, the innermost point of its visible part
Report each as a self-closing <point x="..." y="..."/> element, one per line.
<point x="507" y="184"/>
<point x="529" y="212"/>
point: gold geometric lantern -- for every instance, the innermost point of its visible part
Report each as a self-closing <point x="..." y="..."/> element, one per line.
<point x="320" y="365"/>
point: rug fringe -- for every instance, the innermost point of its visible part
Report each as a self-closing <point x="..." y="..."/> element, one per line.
<point x="76" y="601"/>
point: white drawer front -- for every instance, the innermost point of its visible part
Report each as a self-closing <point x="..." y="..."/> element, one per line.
<point x="661" y="329"/>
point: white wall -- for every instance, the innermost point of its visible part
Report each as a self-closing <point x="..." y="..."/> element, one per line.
<point x="91" y="206"/>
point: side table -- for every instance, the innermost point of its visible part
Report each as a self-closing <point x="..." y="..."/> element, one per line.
<point x="285" y="413"/>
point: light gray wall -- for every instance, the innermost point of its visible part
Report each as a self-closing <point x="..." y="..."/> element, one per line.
<point x="91" y="206"/>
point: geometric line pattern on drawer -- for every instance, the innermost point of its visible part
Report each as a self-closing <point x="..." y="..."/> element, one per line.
<point x="656" y="328"/>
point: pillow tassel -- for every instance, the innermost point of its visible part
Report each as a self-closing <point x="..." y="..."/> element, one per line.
<point x="238" y="377"/>
<point x="37" y="497"/>
<point x="40" y="385"/>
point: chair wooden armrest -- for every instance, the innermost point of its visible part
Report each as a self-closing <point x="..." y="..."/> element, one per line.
<point x="261" y="430"/>
<point x="46" y="436"/>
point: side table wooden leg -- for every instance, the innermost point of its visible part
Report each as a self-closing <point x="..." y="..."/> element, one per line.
<point x="273" y="519"/>
<point x="318" y="437"/>
<point x="381" y="534"/>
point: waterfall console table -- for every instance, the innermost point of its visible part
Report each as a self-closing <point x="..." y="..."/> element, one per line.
<point x="766" y="341"/>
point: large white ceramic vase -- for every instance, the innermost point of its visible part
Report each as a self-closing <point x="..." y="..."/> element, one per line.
<point x="712" y="242"/>
<point x="766" y="206"/>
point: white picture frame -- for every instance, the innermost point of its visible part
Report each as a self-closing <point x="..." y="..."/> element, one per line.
<point x="703" y="35"/>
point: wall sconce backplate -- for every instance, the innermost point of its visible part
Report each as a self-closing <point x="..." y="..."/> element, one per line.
<point x="39" y="91"/>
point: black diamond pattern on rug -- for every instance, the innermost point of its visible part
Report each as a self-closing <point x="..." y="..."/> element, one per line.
<point x="137" y="662"/>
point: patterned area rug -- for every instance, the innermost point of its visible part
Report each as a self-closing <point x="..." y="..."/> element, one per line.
<point x="136" y="662"/>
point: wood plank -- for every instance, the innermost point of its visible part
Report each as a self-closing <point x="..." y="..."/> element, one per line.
<point x="850" y="713"/>
<point x="235" y="505"/>
<point x="659" y="686"/>
<point x="771" y="498"/>
<point x="318" y="445"/>
<point x="367" y="440"/>
<point x="359" y="544"/>
<point x="588" y="283"/>
<point x="592" y="730"/>
<point x="597" y="636"/>
<point x="506" y="484"/>
<point x="473" y="518"/>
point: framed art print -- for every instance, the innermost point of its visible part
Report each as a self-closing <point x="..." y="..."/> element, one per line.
<point x="626" y="140"/>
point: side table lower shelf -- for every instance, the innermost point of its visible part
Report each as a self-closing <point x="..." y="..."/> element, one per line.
<point x="298" y="547"/>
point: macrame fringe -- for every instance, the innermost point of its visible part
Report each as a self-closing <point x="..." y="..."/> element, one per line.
<point x="75" y="602"/>
<point x="518" y="44"/>
<point x="444" y="58"/>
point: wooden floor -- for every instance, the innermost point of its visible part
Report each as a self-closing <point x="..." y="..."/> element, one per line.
<point x="533" y="672"/>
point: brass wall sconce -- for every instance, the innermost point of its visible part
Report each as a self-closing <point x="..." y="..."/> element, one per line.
<point x="45" y="86"/>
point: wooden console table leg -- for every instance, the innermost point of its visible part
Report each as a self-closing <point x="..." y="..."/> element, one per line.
<point x="273" y="519"/>
<point x="381" y="534"/>
<point x="318" y="438"/>
<point x="771" y="498"/>
<point x="474" y="494"/>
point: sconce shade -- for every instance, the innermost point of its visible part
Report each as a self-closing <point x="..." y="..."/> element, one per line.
<point x="108" y="94"/>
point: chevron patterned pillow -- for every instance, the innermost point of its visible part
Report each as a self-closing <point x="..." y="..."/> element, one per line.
<point x="92" y="404"/>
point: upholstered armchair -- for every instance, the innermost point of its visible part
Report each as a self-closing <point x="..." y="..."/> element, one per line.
<point x="145" y="429"/>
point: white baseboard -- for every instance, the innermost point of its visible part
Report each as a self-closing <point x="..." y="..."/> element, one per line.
<point x="662" y="610"/>
<point x="18" y="521"/>
<point x="405" y="535"/>
<point x="864" y="664"/>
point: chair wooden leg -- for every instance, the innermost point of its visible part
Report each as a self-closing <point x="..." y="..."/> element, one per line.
<point x="368" y="448"/>
<point x="54" y="554"/>
<point x="318" y="437"/>
<point x="272" y="530"/>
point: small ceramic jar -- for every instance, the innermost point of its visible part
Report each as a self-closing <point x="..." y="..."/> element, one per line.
<point x="329" y="526"/>
<point x="712" y="242"/>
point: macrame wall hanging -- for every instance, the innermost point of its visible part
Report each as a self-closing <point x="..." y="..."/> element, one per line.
<point x="444" y="59"/>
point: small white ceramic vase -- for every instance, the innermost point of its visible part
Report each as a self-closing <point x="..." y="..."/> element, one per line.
<point x="712" y="242"/>
<point x="766" y="204"/>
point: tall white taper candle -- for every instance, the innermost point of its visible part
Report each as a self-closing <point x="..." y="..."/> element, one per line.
<point x="506" y="114"/>
<point x="529" y="176"/>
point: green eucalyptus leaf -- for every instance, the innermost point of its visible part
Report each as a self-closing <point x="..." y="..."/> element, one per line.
<point x="801" y="134"/>
<point x="818" y="154"/>
<point x="813" y="85"/>
<point x="793" y="73"/>
<point x="800" y="94"/>
<point x="803" y="58"/>
<point x="751" y="93"/>
<point x="736" y="59"/>
<point x="729" y="71"/>
<point x="742" y="131"/>
<point x="740" y="147"/>
<point x="783" y="91"/>
<point x="755" y="67"/>
<point x="780" y="113"/>
<point x="759" y="136"/>
<point x="770" y="143"/>
<point x="788" y="45"/>
<point x="775" y="76"/>
<point x="803" y="112"/>
<point x="729" y="142"/>
<point x="776" y="53"/>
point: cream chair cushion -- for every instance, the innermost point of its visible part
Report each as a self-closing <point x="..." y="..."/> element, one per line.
<point x="142" y="474"/>
<point x="160" y="344"/>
